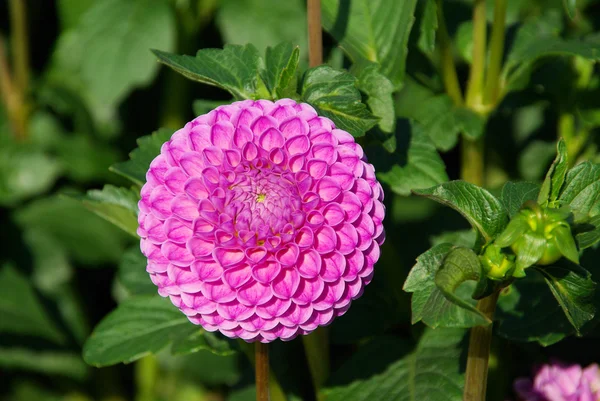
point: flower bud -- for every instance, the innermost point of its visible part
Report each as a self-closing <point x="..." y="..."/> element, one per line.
<point x="539" y="236"/>
<point x="497" y="264"/>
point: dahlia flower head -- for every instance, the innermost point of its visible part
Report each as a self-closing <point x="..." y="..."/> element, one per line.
<point x="261" y="220"/>
<point x="560" y="382"/>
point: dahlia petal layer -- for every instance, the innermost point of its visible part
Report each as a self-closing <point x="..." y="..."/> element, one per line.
<point x="261" y="220"/>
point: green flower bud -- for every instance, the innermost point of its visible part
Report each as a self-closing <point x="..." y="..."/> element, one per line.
<point x="539" y="236"/>
<point x="497" y="264"/>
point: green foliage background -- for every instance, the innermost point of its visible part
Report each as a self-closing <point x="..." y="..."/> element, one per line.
<point x="69" y="254"/>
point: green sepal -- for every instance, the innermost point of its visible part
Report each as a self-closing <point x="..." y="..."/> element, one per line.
<point x="513" y="231"/>
<point x="555" y="177"/>
<point x="529" y="249"/>
<point x="564" y="241"/>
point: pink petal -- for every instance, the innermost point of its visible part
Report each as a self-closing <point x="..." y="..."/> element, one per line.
<point x="198" y="302"/>
<point x="328" y="189"/>
<point x="160" y="202"/>
<point x="273" y="308"/>
<point x="270" y="139"/>
<point x="325" y="152"/>
<point x="296" y="315"/>
<point x="237" y="276"/>
<point x="309" y="290"/>
<point x="304" y="237"/>
<point x="334" y="266"/>
<point x="286" y="284"/>
<point x="218" y="291"/>
<point x="200" y="247"/>
<point x="288" y="255"/>
<point x="175" y="179"/>
<point x="325" y="240"/>
<point x="347" y="238"/>
<point x="242" y="136"/>
<point x="228" y="256"/>
<point x="177" y="231"/>
<point x="309" y="264"/>
<point x="254" y="293"/>
<point x="262" y="124"/>
<point x="293" y="127"/>
<point x="184" y="207"/>
<point x="207" y="270"/>
<point x="316" y="168"/>
<point x="192" y="163"/>
<point x="221" y="134"/>
<point x="177" y="253"/>
<point x="266" y="271"/>
<point x="297" y="145"/>
<point x="234" y="311"/>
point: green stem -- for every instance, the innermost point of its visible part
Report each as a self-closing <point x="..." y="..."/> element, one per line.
<point x="479" y="353"/>
<point x="20" y="45"/>
<point x="316" y="348"/>
<point x="275" y="390"/>
<point x="472" y="167"/>
<point x="475" y="85"/>
<point x="496" y="53"/>
<point x="146" y="374"/>
<point x="11" y="96"/>
<point x="448" y="68"/>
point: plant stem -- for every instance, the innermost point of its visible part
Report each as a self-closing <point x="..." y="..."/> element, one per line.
<point x="479" y="352"/>
<point x="146" y="373"/>
<point x="472" y="167"/>
<point x="261" y="363"/>
<point x="11" y="97"/>
<point x="447" y="59"/>
<point x="316" y="347"/>
<point x="315" y="34"/>
<point x="496" y="53"/>
<point x="275" y="390"/>
<point x="475" y="86"/>
<point x="20" y="45"/>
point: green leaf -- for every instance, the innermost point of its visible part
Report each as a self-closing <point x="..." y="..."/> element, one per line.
<point x="116" y="205"/>
<point x="334" y="94"/>
<point x="233" y="68"/>
<point x="379" y="92"/>
<point x="428" y="28"/>
<point x="429" y="304"/>
<point x="460" y="265"/>
<point x="573" y="288"/>
<point x="280" y="73"/>
<point x="535" y="158"/>
<point x="139" y="326"/>
<point x="564" y="241"/>
<point x="263" y="22"/>
<point x="485" y="213"/>
<point x="424" y="167"/>
<point x="133" y="274"/>
<point x="106" y="54"/>
<point x="44" y="362"/>
<point x="97" y="241"/>
<point x="462" y="238"/>
<point x="21" y="312"/>
<point x="531" y="250"/>
<point x="142" y="325"/>
<point x="70" y="11"/>
<point x="539" y="39"/>
<point x="372" y="30"/>
<point x="25" y="171"/>
<point x="570" y="7"/>
<point x="442" y="120"/>
<point x="199" y="340"/>
<point x="581" y="191"/>
<point x="515" y="194"/>
<point x="527" y="311"/>
<point x="590" y="233"/>
<point x="140" y="158"/>
<point x="431" y="372"/>
<point x="555" y="177"/>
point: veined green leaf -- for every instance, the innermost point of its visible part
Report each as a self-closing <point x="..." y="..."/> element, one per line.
<point x="431" y="372"/>
<point x="429" y="303"/>
<point x="485" y="213"/>
<point x="372" y="30"/>
<point x="555" y="177"/>
<point x="133" y="275"/>
<point x="424" y="166"/>
<point x="233" y="68"/>
<point x="334" y="94"/>
<point x="573" y="288"/>
<point x="581" y="191"/>
<point x="281" y="65"/>
<point x="515" y="194"/>
<point x="116" y="205"/>
<point x="379" y="92"/>
<point x="428" y="28"/>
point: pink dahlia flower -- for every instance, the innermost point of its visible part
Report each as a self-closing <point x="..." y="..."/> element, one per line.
<point x="261" y="220"/>
<point x="559" y="382"/>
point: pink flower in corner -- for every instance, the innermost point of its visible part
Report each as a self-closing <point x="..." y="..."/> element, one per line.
<point x="261" y="220"/>
<point x="559" y="382"/>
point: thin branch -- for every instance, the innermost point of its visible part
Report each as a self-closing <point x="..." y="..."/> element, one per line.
<point x="492" y="85"/>
<point x="474" y="98"/>
<point x="447" y="59"/>
<point x="11" y="97"/>
<point x="261" y="362"/>
<point x="20" y="43"/>
<point x="315" y="34"/>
